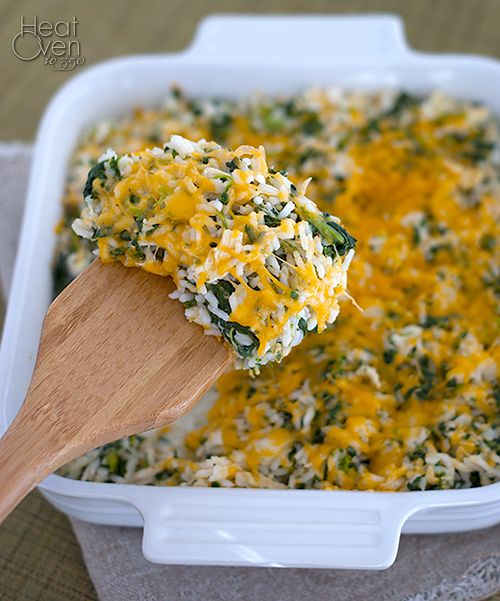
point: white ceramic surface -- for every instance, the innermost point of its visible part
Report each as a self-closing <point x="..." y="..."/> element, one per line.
<point x="232" y="56"/>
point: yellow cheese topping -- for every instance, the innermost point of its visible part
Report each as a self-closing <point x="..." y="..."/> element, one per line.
<point x="253" y="259"/>
<point x="403" y="396"/>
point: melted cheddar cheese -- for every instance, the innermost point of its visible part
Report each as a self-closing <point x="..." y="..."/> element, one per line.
<point x="403" y="396"/>
<point x="253" y="259"/>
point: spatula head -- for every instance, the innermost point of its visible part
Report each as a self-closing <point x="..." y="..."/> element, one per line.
<point x="117" y="356"/>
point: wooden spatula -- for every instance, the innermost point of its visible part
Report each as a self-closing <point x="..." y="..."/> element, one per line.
<point x="117" y="356"/>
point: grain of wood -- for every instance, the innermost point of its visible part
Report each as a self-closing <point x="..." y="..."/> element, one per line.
<point x="117" y="356"/>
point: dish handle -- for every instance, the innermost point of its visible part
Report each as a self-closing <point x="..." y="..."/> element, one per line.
<point x="294" y="39"/>
<point x="272" y="528"/>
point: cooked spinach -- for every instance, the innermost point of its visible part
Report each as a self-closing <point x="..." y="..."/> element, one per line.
<point x="98" y="171"/>
<point x="219" y="126"/>
<point x="389" y="355"/>
<point x="222" y="290"/>
<point x="229" y="329"/>
<point x="339" y="241"/>
<point x="403" y="102"/>
<point x="312" y="124"/>
<point x="303" y="325"/>
<point x="415" y="484"/>
<point x="271" y="220"/>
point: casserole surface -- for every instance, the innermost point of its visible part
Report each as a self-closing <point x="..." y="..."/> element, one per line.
<point x="399" y="397"/>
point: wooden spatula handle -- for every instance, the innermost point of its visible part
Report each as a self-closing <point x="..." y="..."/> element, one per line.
<point x="116" y="357"/>
<point x="25" y="460"/>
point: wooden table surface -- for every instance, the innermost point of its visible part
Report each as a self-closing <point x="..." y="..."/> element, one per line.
<point x="39" y="557"/>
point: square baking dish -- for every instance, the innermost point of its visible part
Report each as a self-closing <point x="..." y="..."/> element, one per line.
<point x="232" y="56"/>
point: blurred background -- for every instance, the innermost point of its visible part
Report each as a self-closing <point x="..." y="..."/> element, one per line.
<point x="107" y="29"/>
<point x="39" y="556"/>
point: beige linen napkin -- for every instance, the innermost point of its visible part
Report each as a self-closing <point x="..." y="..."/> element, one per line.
<point x="453" y="567"/>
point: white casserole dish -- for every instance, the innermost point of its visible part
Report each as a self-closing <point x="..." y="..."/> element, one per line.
<point x="232" y="56"/>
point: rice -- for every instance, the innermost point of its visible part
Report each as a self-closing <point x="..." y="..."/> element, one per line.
<point x="400" y="397"/>
<point x="249" y="272"/>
